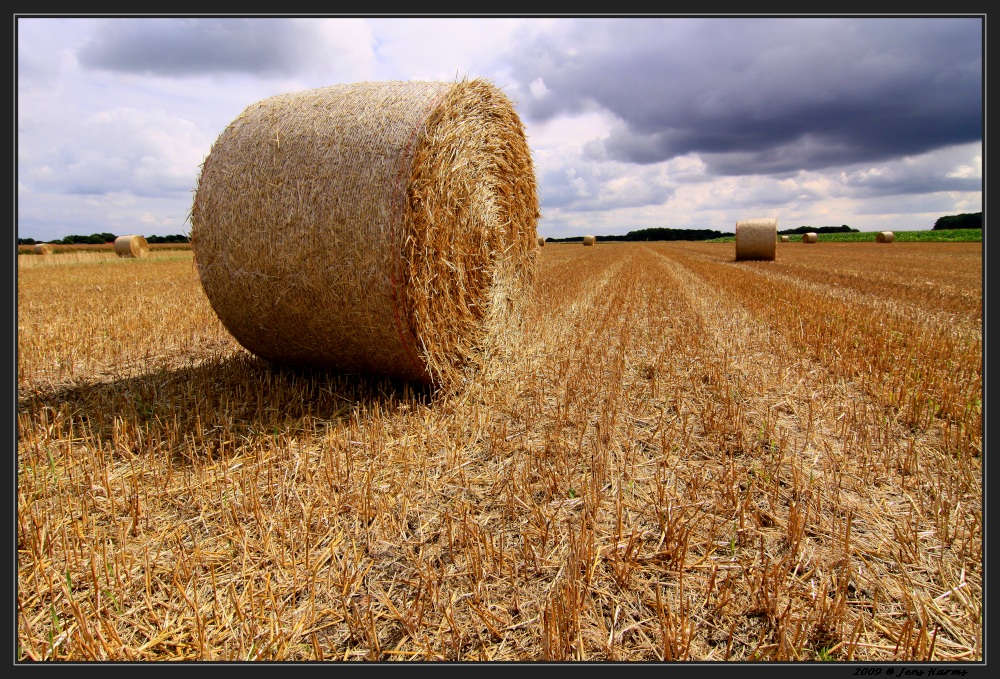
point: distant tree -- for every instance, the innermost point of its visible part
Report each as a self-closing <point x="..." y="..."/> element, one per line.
<point x="966" y="220"/>
<point x="175" y="238"/>
<point x="26" y="241"/>
<point x="668" y="234"/>
<point x="843" y="228"/>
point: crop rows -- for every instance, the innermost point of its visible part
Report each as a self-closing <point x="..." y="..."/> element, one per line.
<point x="675" y="457"/>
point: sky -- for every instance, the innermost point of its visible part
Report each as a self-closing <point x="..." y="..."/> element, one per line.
<point x="633" y="122"/>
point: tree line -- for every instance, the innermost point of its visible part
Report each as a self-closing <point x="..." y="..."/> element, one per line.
<point x="966" y="220"/>
<point x="100" y="239"/>
<point x="664" y="233"/>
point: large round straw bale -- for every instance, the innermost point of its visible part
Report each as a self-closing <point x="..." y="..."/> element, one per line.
<point x="810" y="237"/>
<point x="589" y="240"/>
<point x="784" y="239"/>
<point x="885" y="237"/>
<point x="131" y="246"/>
<point x="43" y="249"/>
<point x="541" y="242"/>
<point x="373" y="227"/>
<point x="755" y="238"/>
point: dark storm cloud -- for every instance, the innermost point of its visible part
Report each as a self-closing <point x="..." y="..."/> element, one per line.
<point x="763" y="95"/>
<point x="181" y="47"/>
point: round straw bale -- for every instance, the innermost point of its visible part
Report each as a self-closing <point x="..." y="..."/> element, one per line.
<point x="810" y="237"/>
<point x="131" y="246"/>
<point x="755" y="238"/>
<point x="374" y="227"/>
<point x="43" y="249"/>
<point x="541" y="242"/>
<point x="885" y="237"/>
<point x="589" y="240"/>
<point x="784" y="239"/>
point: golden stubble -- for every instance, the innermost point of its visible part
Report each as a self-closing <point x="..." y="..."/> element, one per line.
<point x="675" y="457"/>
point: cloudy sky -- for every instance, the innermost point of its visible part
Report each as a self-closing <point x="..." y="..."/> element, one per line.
<point x="633" y="122"/>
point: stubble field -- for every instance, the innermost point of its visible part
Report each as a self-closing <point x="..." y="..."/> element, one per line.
<point x="677" y="457"/>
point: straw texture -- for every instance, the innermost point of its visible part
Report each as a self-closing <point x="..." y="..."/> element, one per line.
<point x="131" y="246"/>
<point x="589" y="240"/>
<point x="755" y="238"/>
<point x="376" y="227"/>
<point x="43" y="249"/>
<point x="784" y="239"/>
<point x="885" y="237"/>
<point x="810" y="237"/>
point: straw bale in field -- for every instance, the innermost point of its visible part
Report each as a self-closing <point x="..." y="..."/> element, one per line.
<point x="374" y="227"/>
<point x="43" y="249"/>
<point x="784" y="239"/>
<point x="755" y="238"/>
<point x="541" y="242"/>
<point x="589" y="240"/>
<point x="885" y="237"/>
<point x="810" y="237"/>
<point x="131" y="246"/>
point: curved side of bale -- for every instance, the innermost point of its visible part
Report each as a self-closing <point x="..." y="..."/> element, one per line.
<point x="375" y="227"/>
<point x="885" y="237"/>
<point x="756" y="238"/>
<point x="131" y="246"/>
<point x="810" y="237"/>
<point x="43" y="249"/>
<point x="541" y="242"/>
<point x="589" y="240"/>
<point x="784" y="239"/>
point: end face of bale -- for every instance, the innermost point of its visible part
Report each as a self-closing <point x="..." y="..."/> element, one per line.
<point x="885" y="237"/>
<point x="590" y="240"/>
<point x="375" y="227"/>
<point x="43" y="249"/>
<point x="131" y="246"/>
<point x="810" y="237"/>
<point x="756" y="238"/>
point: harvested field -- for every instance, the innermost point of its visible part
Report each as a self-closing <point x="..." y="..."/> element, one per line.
<point x="71" y="256"/>
<point x="677" y="458"/>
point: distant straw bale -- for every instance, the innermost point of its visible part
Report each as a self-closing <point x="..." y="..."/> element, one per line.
<point x="885" y="237"/>
<point x="131" y="246"/>
<point x="373" y="227"/>
<point x="810" y="237"/>
<point x="589" y="240"/>
<point x="43" y="249"/>
<point x="784" y="239"/>
<point x="541" y="242"/>
<point x="755" y="238"/>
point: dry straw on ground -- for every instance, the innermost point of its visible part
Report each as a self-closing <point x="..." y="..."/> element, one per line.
<point x="43" y="249"/>
<point x="885" y="237"/>
<point x="755" y="238"/>
<point x="784" y="239"/>
<point x="810" y="237"/>
<point x="377" y="227"/>
<point x="683" y="460"/>
<point x="131" y="246"/>
<point x="589" y="240"/>
<point x="541" y="242"/>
